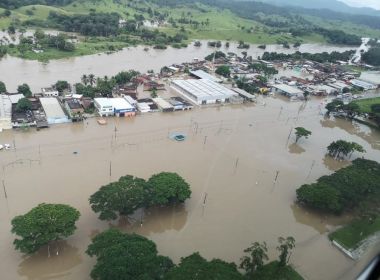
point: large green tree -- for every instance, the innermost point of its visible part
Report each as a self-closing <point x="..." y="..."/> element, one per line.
<point x="343" y="190"/>
<point x="23" y="105"/>
<point x="196" y="267"/>
<point x="257" y="254"/>
<point x="223" y="70"/>
<point x="124" y="256"/>
<point x="119" y="198"/>
<point x="341" y="148"/>
<point x="42" y="225"/>
<point x="285" y="247"/>
<point x="25" y="90"/>
<point x="167" y="187"/>
<point x="301" y="132"/>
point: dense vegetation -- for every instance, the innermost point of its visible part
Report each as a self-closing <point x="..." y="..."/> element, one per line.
<point x="131" y="193"/>
<point x="318" y="57"/>
<point x="344" y="190"/>
<point x="43" y="224"/>
<point x="372" y="57"/>
<point x="93" y="24"/>
<point x="13" y="4"/>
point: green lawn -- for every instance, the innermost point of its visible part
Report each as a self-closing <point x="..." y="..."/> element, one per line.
<point x="365" y="104"/>
<point x="273" y="271"/>
<point x="352" y="234"/>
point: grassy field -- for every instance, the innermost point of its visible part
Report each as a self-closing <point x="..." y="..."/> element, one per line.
<point x="274" y="272"/>
<point x="352" y="234"/>
<point x="365" y="104"/>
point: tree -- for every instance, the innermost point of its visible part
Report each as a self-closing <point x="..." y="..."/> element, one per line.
<point x="224" y="71"/>
<point x="42" y="225"/>
<point x="3" y="88"/>
<point x="196" y="267"/>
<point x="285" y="248"/>
<point x="154" y="92"/>
<point x="345" y="189"/>
<point x="302" y="132"/>
<point x="167" y="188"/>
<point x="352" y="109"/>
<point x="126" y="256"/>
<point x="345" y="148"/>
<point x="257" y="254"/>
<point x="62" y="85"/>
<point x="84" y="79"/>
<point x="91" y="79"/>
<point x="25" y="90"/>
<point x="334" y="106"/>
<point x="23" y="105"/>
<point x="119" y="198"/>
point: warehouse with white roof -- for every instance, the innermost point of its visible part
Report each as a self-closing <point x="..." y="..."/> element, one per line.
<point x="203" y="91"/>
<point x="53" y="110"/>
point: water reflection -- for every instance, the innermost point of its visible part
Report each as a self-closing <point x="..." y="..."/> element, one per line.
<point x="320" y="222"/>
<point x="295" y="149"/>
<point x="154" y="220"/>
<point x="370" y="135"/>
<point x="63" y="257"/>
<point x="334" y="164"/>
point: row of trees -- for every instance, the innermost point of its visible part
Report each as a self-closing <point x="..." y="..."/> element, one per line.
<point x="130" y="193"/>
<point x="372" y="56"/>
<point x="345" y="190"/>
<point x="318" y="57"/>
<point x="342" y="148"/>
<point x="14" y="4"/>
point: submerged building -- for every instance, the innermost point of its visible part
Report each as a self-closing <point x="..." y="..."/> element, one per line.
<point x="53" y="110"/>
<point x="203" y="91"/>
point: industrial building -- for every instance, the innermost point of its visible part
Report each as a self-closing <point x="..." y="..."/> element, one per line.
<point x="362" y="84"/>
<point x="245" y="95"/>
<point x="53" y="110"/>
<point x="203" y="91"/>
<point x="163" y="104"/>
<point x="289" y="91"/>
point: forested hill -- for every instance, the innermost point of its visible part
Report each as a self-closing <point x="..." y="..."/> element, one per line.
<point x="13" y="4"/>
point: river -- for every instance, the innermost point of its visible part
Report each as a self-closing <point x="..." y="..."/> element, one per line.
<point x="232" y="153"/>
<point x="15" y="71"/>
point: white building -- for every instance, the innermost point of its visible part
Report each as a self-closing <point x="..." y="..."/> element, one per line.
<point x="5" y="112"/>
<point x="203" y="91"/>
<point x="53" y="110"/>
<point x="103" y="106"/>
<point x="163" y="104"/>
<point x="122" y="108"/>
<point x="49" y="92"/>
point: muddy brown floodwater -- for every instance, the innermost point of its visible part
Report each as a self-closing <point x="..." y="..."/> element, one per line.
<point x="232" y="153"/>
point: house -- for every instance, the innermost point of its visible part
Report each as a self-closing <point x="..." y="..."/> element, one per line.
<point x="74" y="108"/>
<point x="104" y="107"/>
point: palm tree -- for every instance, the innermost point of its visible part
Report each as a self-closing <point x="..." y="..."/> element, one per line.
<point x="91" y="79"/>
<point x="84" y="79"/>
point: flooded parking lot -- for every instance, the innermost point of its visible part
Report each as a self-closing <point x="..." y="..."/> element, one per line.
<point x="231" y="156"/>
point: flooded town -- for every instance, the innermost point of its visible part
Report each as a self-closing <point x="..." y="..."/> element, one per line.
<point x="169" y="163"/>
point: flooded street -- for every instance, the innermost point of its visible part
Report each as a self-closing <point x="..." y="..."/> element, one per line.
<point x="15" y="71"/>
<point x="232" y="154"/>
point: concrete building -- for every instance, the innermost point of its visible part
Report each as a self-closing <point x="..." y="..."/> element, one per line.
<point x="203" y="91"/>
<point x="74" y="107"/>
<point x="200" y="74"/>
<point x="289" y="91"/>
<point x="245" y="95"/>
<point x="53" y="110"/>
<point x="104" y="107"/>
<point x="163" y="104"/>
<point x="122" y="108"/>
<point x="5" y="112"/>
